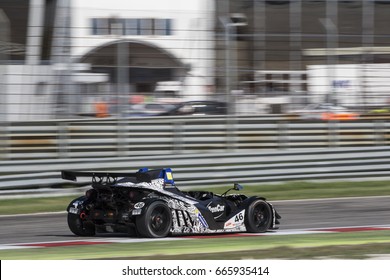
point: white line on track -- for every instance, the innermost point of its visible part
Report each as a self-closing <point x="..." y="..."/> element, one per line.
<point x="108" y="240"/>
<point x="272" y="201"/>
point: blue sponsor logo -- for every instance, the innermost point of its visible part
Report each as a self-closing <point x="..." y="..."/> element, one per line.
<point x="202" y="221"/>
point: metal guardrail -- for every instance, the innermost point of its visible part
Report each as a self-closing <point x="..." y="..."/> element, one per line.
<point x="99" y="138"/>
<point x="202" y="150"/>
<point x="42" y="177"/>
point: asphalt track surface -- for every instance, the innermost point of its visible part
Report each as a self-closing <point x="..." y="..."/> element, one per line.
<point x="296" y="215"/>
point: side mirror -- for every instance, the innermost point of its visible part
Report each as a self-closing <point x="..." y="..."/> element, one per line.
<point x="237" y="187"/>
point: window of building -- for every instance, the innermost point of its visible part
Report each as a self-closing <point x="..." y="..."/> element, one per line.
<point x="162" y="27"/>
<point x="131" y="26"/>
<point x="100" y="26"/>
<point x="146" y="26"/>
<point x="116" y="26"/>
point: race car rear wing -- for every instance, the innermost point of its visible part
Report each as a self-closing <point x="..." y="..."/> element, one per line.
<point x="143" y="175"/>
<point x="73" y="175"/>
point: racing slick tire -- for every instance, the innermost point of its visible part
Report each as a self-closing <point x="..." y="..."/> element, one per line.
<point x="156" y="221"/>
<point x="258" y="216"/>
<point x="80" y="227"/>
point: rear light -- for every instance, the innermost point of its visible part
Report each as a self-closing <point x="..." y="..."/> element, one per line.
<point x="110" y="214"/>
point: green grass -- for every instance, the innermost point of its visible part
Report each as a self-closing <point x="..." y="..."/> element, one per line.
<point x="358" y="245"/>
<point x="282" y="191"/>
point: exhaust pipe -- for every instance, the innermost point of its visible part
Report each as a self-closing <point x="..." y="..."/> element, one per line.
<point x="83" y="215"/>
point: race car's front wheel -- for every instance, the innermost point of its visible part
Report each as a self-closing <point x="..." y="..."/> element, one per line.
<point x="258" y="216"/>
<point x="156" y="222"/>
<point x="79" y="226"/>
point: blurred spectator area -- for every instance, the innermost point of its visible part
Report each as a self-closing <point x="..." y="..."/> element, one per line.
<point x="71" y="59"/>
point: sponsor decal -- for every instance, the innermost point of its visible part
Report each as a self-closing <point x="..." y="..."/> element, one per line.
<point x="216" y="209"/>
<point x="76" y="203"/>
<point x="201" y="219"/>
<point x="139" y="205"/>
<point x="136" y="212"/>
<point x="73" y="210"/>
<point x="236" y="221"/>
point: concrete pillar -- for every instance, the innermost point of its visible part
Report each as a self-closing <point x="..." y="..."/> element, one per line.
<point x="35" y="32"/>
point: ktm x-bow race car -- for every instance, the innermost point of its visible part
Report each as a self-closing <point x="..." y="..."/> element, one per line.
<point x="147" y="203"/>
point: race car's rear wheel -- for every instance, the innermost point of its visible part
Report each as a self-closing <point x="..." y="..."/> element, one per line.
<point x="79" y="226"/>
<point x="258" y="216"/>
<point x="156" y="222"/>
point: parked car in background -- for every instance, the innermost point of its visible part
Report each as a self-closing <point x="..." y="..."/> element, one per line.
<point x="197" y="108"/>
<point x="187" y="108"/>
<point x="148" y="109"/>
<point x="326" y="111"/>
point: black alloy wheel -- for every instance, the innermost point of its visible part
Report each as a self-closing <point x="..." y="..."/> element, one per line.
<point x="258" y="216"/>
<point x="156" y="222"/>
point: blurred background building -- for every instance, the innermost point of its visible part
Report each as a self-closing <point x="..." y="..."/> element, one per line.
<point x="63" y="58"/>
<point x="296" y="52"/>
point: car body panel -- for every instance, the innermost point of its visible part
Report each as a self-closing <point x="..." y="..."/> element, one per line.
<point x="117" y="200"/>
<point x="326" y="111"/>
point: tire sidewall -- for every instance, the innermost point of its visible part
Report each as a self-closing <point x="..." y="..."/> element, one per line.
<point x="143" y="222"/>
<point x="249" y="220"/>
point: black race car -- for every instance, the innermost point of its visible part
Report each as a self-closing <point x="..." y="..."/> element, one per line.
<point x="148" y="204"/>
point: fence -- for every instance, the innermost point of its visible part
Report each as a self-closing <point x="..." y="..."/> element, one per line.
<point x="209" y="150"/>
<point x="98" y="138"/>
